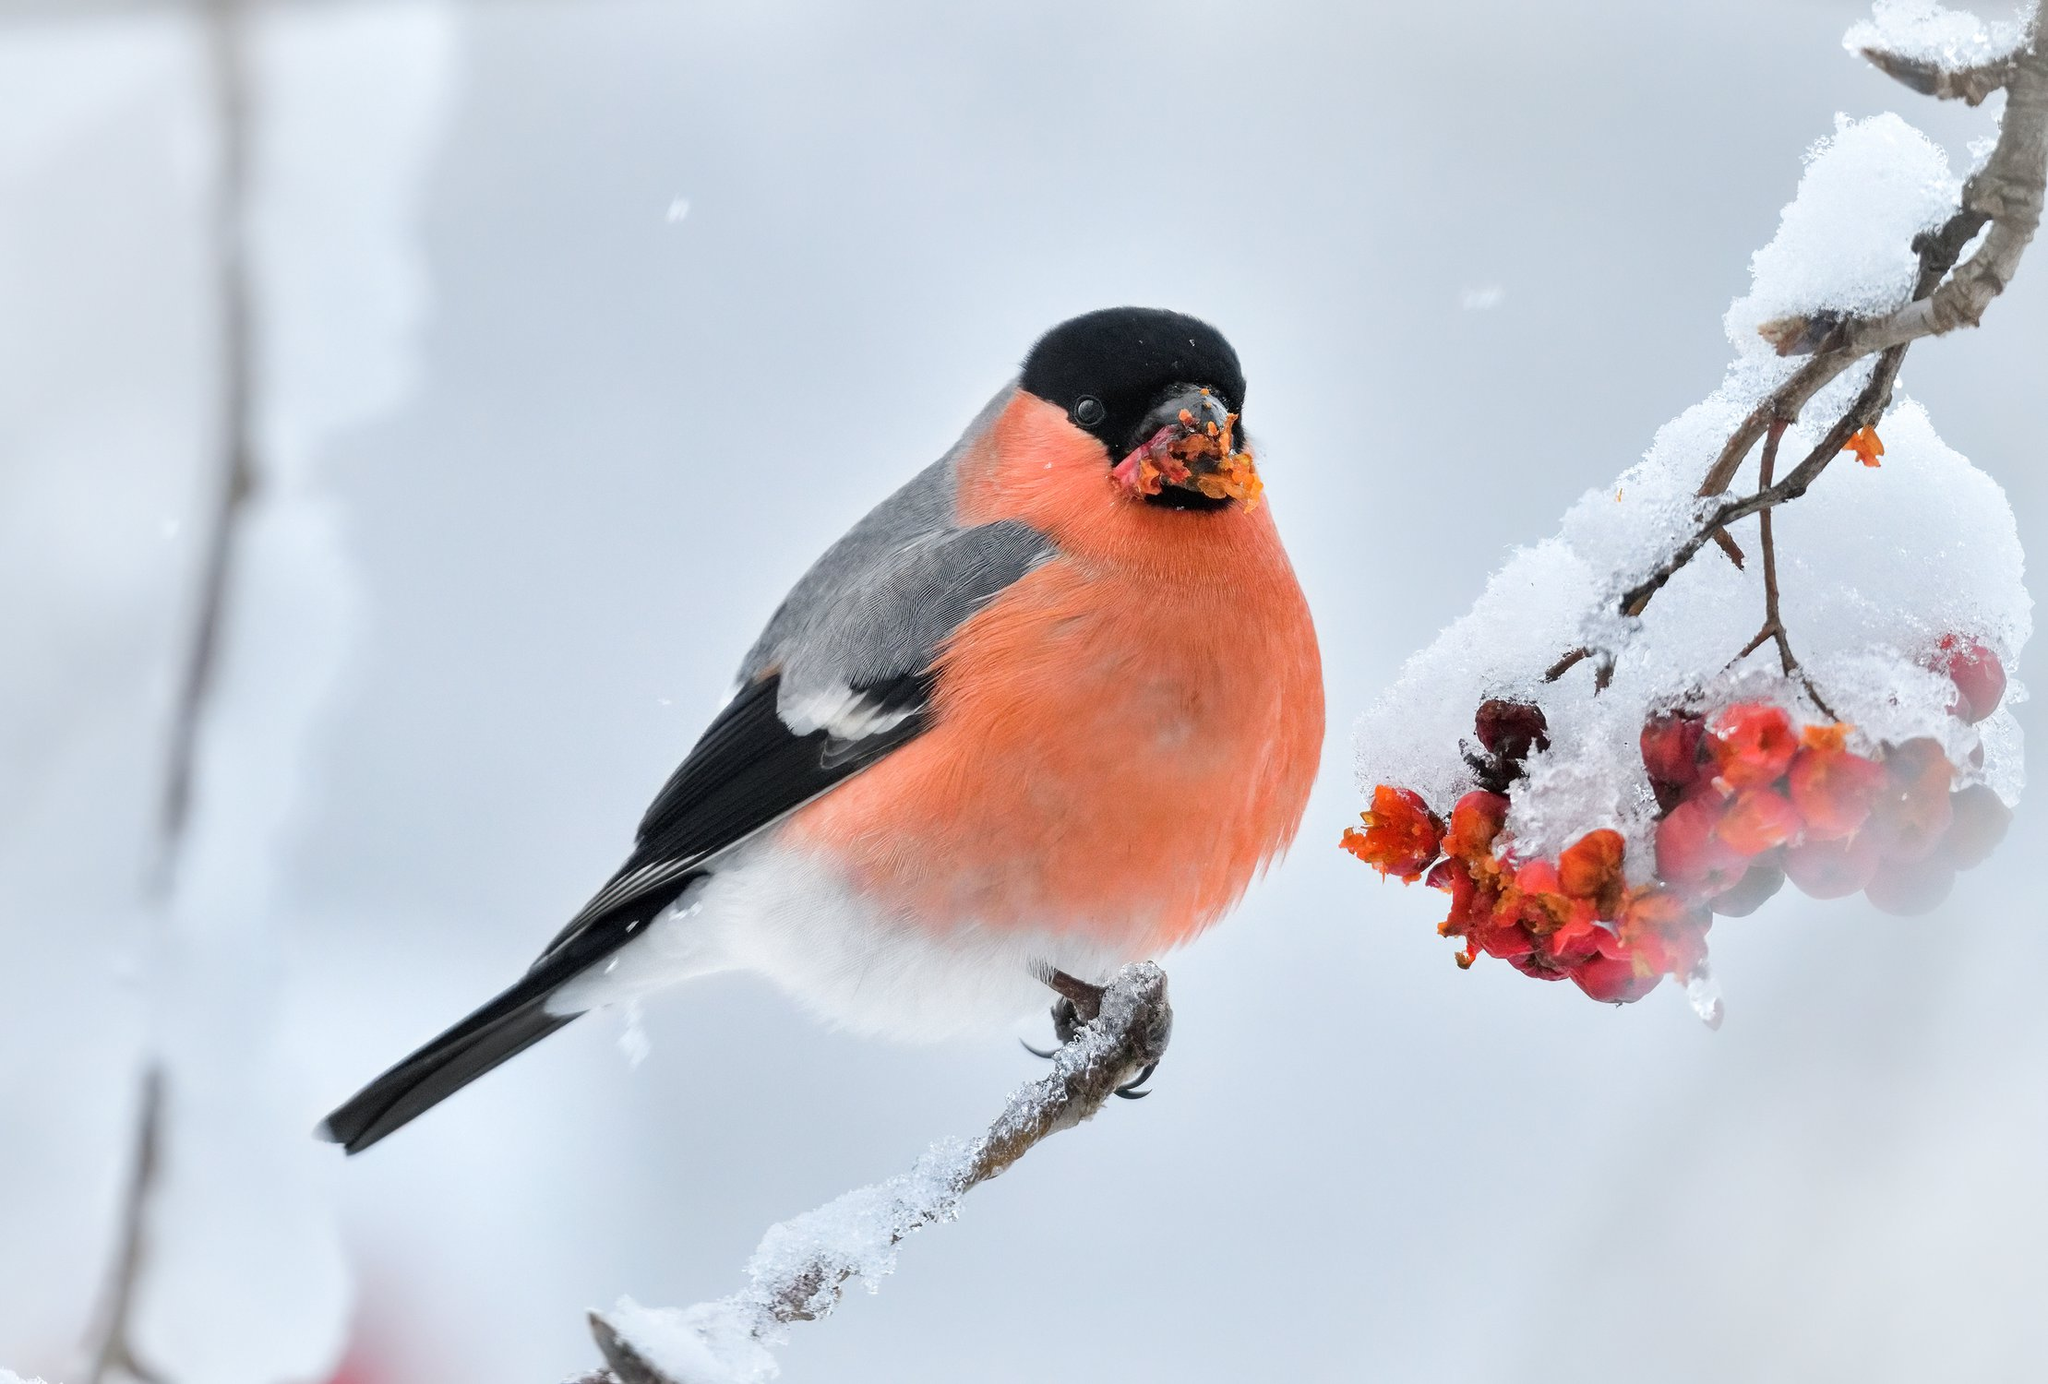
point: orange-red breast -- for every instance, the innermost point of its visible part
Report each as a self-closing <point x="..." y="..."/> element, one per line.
<point x="1050" y="706"/>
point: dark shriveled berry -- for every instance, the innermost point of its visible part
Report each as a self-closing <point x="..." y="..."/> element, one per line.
<point x="1507" y="732"/>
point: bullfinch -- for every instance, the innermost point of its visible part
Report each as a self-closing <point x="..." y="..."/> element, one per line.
<point x="1047" y="709"/>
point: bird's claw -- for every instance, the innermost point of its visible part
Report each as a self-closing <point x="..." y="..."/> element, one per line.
<point x="1132" y="1089"/>
<point x="1046" y="1054"/>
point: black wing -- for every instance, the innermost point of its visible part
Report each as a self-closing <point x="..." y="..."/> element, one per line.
<point x="746" y="771"/>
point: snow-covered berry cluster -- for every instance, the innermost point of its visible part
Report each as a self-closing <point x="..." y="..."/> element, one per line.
<point x="1746" y="799"/>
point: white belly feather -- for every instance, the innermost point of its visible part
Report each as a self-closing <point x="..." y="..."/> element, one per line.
<point x="790" y="916"/>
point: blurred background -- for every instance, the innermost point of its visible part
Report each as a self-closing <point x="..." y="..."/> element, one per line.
<point x="572" y="332"/>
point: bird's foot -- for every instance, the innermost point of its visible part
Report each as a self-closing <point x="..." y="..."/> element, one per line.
<point x="1079" y="1003"/>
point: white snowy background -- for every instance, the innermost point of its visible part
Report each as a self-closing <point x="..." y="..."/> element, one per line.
<point x="566" y="310"/>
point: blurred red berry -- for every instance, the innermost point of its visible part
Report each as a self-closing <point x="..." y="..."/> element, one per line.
<point x="1977" y="673"/>
<point x="1909" y="887"/>
<point x="1401" y="834"/>
<point x="1691" y="855"/>
<point x="1752" y="744"/>
<point x="1833" y="789"/>
<point x="1751" y="892"/>
<point x="1757" y="820"/>
<point x="1507" y="940"/>
<point x="1663" y="931"/>
<point x="1912" y="813"/>
<point x="1978" y="821"/>
<point x="1577" y="942"/>
<point x="1613" y="981"/>
<point x="1537" y="877"/>
<point x="1671" y="754"/>
<point x="1833" y="868"/>
<point x="1533" y="964"/>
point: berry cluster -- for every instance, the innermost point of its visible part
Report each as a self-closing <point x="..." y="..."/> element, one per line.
<point x="1575" y="917"/>
<point x="1746" y="801"/>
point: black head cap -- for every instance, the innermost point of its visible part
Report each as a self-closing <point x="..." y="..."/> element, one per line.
<point x="1107" y="369"/>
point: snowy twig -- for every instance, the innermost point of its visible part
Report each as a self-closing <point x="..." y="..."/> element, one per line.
<point x="802" y="1266"/>
<point x="2005" y="195"/>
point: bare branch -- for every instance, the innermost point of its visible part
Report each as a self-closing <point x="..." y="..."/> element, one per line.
<point x="115" y="1353"/>
<point x="230" y="86"/>
<point x="802" y="1266"/>
<point x="228" y="81"/>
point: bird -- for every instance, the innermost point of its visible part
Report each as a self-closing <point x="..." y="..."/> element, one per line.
<point x="1047" y="709"/>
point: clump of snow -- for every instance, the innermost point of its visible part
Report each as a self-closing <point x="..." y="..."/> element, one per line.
<point x="1926" y="31"/>
<point x="1845" y="243"/>
<point x="10" y="1377"/>
<point x="1875" y="564"/>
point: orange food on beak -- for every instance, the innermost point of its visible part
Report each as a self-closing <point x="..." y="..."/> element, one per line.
<point x="1203" y="458"/>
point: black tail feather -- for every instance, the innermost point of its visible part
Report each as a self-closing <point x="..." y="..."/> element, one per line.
<point x="499" y="1031"/>
<point x="436" y="1072"/>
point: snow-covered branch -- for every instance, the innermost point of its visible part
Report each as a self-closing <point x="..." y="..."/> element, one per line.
<point x="2005" y="195"/>
<point x="802" y="1266"/>
<point x="1591" y="828"/>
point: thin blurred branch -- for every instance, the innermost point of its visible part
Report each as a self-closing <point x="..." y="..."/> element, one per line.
<point x="116" y="1351"/>
<point x="802" y="1266"/>
<point x="2002" y="199"/>
<point x="225" y="36"/>
<point x="226" y="41"/>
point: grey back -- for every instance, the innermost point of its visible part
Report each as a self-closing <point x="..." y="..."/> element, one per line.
<point x="880" y="602"/>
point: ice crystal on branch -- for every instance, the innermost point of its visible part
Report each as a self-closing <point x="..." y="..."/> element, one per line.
<point x="1679" y="708"/>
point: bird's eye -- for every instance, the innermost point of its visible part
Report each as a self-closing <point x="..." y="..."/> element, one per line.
<point x="1088" y="411"/>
